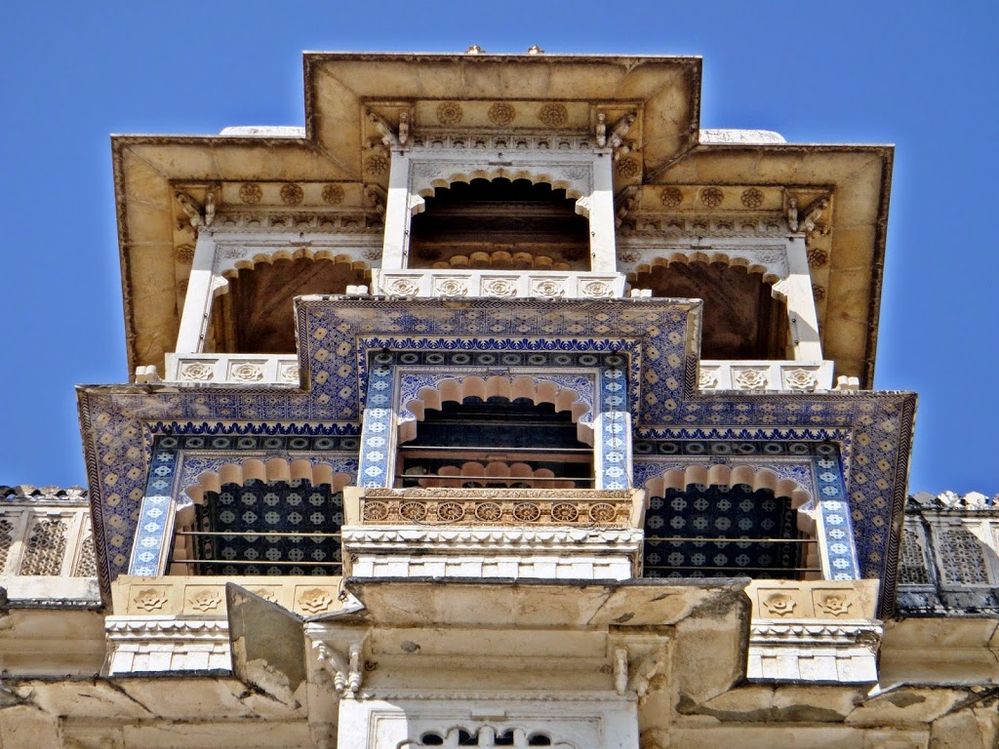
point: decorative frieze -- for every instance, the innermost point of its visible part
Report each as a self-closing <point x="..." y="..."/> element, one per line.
<point x="766" y="376"/>
<point x="234" y="369"/>
<point x="498" y="284"/>
<point x="498" y="507"/>
<point x="167" y="646"/>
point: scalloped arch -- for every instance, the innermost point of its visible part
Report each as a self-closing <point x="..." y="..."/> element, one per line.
<point x="457" y="389"/>
<point x="707" y="258"/>
<point x="275" y="469"/>
<point x="231" y="271"/>
<point x="724" y="475"/>
<point x="576" y="187"/>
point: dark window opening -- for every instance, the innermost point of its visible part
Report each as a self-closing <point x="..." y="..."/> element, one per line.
<point x="721" y="531"/>
<point x="268" y="528"/>
<point x="500" y="224"/>
<point x="536" y="444"/>
<point x="256" y="316"/>
<point x="740" y="318"/>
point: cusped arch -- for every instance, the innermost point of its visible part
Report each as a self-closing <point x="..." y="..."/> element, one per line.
<point x="275" y="469"/>
<point x="575" y="181"/>
<point x="680" y="479"/>
<point x="458" y="389"/>
<point x="771" y="275"/>
<point x="230" y="269"/>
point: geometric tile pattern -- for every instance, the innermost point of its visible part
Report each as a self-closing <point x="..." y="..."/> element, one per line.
<point x="337" y="336"/>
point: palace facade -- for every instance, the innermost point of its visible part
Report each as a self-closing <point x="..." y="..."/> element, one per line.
<point x="500" y="405"/>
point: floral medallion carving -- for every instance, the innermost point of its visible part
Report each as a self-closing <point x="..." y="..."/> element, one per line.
<point x="835" y="604"/>
<point x="752" y="198"/>
<point x="404" y="287"/>
<point x="452" y="287"/>
<point x="779" y="604"/>
<point x="488" y="512"/>
<point x="707" y="380"/>
<point x="375" y="510"/>
<point x="332" y="194"/>
<point x="564" y="512"/>
<point x="268" y="594"/>
<point x="316" y="601"/>
<point x="750" y="379"/>
<point x="290" y="374"/>
<point x="818" y="292"/>
<point x="414" y="511"/>
<point x="247" y="372"/>
<point x="553" y="115"/>
<point x="185" y="253"/>
<point x="712" y="197"/>
<point x="597" y="289"/>
<point x="527" y="512"/>
<point x="501" y="113"/>
<point x="291" y="194"/>
<point x="250" y="193"/>
<point x="817" y="257"/>
<point x="206" y="600"/>
<point x="628" y="168"/>
<point x="671" y="197"/>
<point x="449" y="113"/>
<point x="450" y="512"/>
<point x="150" y="599"/>
<point x="500" y="287"/>
<point x="197" y="371"/>
<point x="800" y="380"/>
<point x="602" y="512"/>
<point x="377" y="164"/>
<point x="548" y="288"/>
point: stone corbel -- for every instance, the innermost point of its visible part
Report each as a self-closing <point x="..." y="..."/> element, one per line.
<point x="375" y="197"/>
<point x="346" y="668"/>
<point x="616" y="138"/>
<point x="389" y="137"/>
<point x="652" y="665"/>
<point x="190" y="208"/>
<point x="810" y="223"/>
<point x="627" y="201"/>
<point x="636" y="662"/>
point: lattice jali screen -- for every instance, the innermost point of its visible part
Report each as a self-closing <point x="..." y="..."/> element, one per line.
<point x="46" y="542"/>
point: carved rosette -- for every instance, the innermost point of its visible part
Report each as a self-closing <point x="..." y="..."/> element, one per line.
<point x="332" y="194"/>
<point x="292" y="194"/>
<point x="800" y="380"/>
<point x="499" y="287"/>
<point x="205" y="601"/>
<point x="597" y="289"/>
<point x="449" y="113"/>
<point x="316" y="601"/>
<point x="752" y="198"/>
<point x="671" y="197"/>
<point x="553" y="115"/>
<point x="779" y="604"/>
<point x="197" y="372"/>
<point x="834" y="604"/>
<point x="501" y="113"/>
<point x="247" y="372"/>
<point x="707" y="380"/>
<point x="250" y="193"/>
<point x="548" y="288"/>
<point x="403" y="287"/>
<point x="712" y="197"/>
<point x="289" y="373"/>
<point x="753" y="380"/>
<point x="451" y="287"/>
<point x="150" y="600"/>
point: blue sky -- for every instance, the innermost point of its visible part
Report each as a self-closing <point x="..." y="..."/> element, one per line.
<point x="908" y="73"/>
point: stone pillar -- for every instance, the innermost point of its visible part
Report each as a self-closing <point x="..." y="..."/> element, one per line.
<point x="603" y="255"/>
<point x="395" y="250"/>
<point x="198" y="301"/>
<point x="797" y="288"/>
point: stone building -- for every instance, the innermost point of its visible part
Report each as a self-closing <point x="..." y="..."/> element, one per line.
<point x="500" y="405"/>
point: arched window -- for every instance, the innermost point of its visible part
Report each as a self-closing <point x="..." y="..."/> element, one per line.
<point x="742" y="319"/>
<point x="254" y="314"/>
<point x="277" y="518"/>
<point x="500" y="224"/>
<point x="496" y="442"/>
<point x="722" y="522"/>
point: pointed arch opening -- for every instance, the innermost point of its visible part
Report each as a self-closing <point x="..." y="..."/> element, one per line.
<point x="500" y="224"/>
<point x="725" y="521"/>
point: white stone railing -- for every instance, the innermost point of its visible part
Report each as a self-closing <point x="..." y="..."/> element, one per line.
<point x="445" y="282"/>
<point x="249" y="369"/>
<point x="760" y="376"/>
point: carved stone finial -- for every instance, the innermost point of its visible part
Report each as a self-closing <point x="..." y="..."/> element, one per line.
<point x="474" y="49"/>
<point x="534" y="49"/>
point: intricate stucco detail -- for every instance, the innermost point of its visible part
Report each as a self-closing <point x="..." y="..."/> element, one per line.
<point x="712" y="197"/>
<point x="754" y="380"/>
<point x="671" y="197"/>
<point x="150" y="599"/>
<point x="800" y="380"/>
<point x="751" y="198"/>
<point x="332" y="194"/>
<point x="449" y="113"/>
<point x="500" y="287"/>
<point x="779" y="604"/>
<point x="501" y="113"/>
<point x="553" y="115"/>
<point x="291" y="194"/>
<point x="196" y="372"/>
<point x="497" y="507"/>
<point x="317" y="601"/>
<point x="250" y="193"/>
<point x="45" y="547"/>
